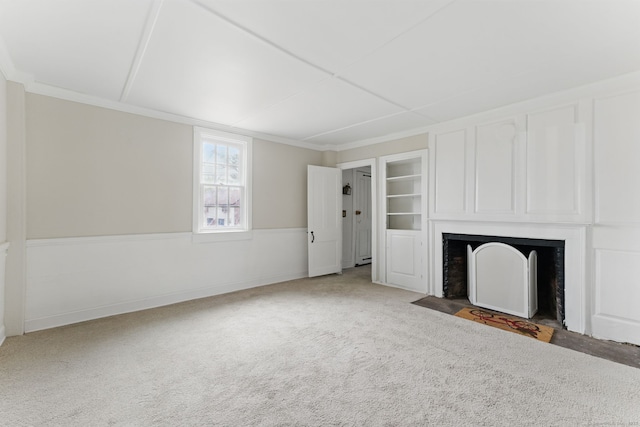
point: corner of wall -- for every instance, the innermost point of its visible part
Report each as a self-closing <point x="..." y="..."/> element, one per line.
<point x="329" y="158"/>
<point x="15" y="271"/>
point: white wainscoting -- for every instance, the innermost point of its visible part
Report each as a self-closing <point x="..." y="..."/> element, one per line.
<point x="617" y="283"/>
<point x="3" y="258"/>
<point x="76" y="279"/>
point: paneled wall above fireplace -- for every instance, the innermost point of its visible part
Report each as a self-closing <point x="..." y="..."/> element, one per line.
<point x="530" y="167"/>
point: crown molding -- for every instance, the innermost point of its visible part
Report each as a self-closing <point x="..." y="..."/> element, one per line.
<point x="6" y="64"/>
<point x="11" y="73"/>
<point x="385" y="138"/>
<point x="67" y="95"/>
<point x="8" y="69"/>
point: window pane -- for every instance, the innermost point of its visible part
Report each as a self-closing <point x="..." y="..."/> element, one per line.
<point x="209" y="216"/>
<point x="223" y="197"/>
<point x="208" y="152"/>
<point x="234" y="175"/>
<point x="209" y="196"/>
<point x="221" y="174"/>
<point x="234" y="155"/>
<point x="234" y="217"/>
<point x="235" y="196"/>
<point x="208" y="174"/>
<point x="221" y="154"/>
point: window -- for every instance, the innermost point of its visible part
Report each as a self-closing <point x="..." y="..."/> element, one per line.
<point x="222" y="171"/>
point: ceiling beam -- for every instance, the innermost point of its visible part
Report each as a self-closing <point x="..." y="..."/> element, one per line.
<point x="145" y="37"/>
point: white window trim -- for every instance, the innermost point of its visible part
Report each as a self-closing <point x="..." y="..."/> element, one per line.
<point x="209" y="235"/>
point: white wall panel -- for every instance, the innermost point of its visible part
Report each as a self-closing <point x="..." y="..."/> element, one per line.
<point x="404" y="259"/>
<point x="555" y="152"/>
<point x="450" y="172"/>
<point x="495" y="168"/>
<point x="617" y="158"/>
<point x="617" y="295"/>
<point x="618" y="284"/>
<point x="77" y="279"/>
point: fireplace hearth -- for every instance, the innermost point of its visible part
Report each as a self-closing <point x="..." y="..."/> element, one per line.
<point x="550" y="270"/>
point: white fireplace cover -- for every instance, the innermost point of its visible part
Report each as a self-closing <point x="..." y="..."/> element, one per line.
<point x="501" y="278"/>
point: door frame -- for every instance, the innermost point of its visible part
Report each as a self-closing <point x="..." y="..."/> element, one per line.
<point x="375" y="274"/>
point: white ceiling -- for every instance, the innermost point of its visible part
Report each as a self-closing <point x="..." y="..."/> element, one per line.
<point x="328" y="72"/>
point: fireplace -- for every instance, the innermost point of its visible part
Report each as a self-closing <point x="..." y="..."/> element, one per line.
<point x="550" y="268"/>
<point x="576" y="296"/>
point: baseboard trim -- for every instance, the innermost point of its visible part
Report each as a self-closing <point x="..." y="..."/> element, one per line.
<point x="64" y="319"/>
<point x="615" y="329"/>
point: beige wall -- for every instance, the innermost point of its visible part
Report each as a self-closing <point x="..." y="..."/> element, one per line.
<point x="92" y="171"/>
<point x="329" y="158"/>
<point x="280" y="184"/>
<point x="417" y="142"/>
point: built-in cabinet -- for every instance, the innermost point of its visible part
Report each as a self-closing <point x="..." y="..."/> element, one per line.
<point x="404" y="209"/>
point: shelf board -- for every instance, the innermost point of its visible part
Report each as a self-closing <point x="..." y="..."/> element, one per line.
<point x="395" y="196"/>
<point x="404" y="177"/>
<point x="403" y="213"/>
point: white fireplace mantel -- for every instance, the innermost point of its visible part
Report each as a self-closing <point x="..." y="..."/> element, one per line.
<point x="574" y="236"/>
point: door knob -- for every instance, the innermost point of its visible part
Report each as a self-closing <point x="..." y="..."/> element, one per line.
<point x="358" y="212"/>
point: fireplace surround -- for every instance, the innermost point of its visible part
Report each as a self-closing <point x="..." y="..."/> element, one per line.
<point x="575" y="293"/>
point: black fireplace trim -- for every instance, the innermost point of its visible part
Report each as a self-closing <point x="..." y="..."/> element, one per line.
<point x="501" y="239"/>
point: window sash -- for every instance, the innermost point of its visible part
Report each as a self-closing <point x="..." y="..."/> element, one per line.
<point x="215" y="209"/>
<point x="221" y="170"/>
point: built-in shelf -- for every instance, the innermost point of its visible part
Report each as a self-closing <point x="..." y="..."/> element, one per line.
<point x="404" y="210"/>
<point x="403" y="213"/>
<point x="403" y="191"/>
<point x="404" y="177"/>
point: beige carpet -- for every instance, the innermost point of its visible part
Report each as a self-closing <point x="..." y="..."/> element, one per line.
<point x="334" y="351"/>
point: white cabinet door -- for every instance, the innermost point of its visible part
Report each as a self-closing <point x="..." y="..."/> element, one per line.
<point x="404" y="259"/>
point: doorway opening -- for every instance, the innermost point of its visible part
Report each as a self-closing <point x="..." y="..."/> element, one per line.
<point x="358" y="215"/>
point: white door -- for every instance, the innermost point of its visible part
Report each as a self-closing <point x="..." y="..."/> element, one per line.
<point x="324" y="220"/>
<point x="363" y="218"/>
